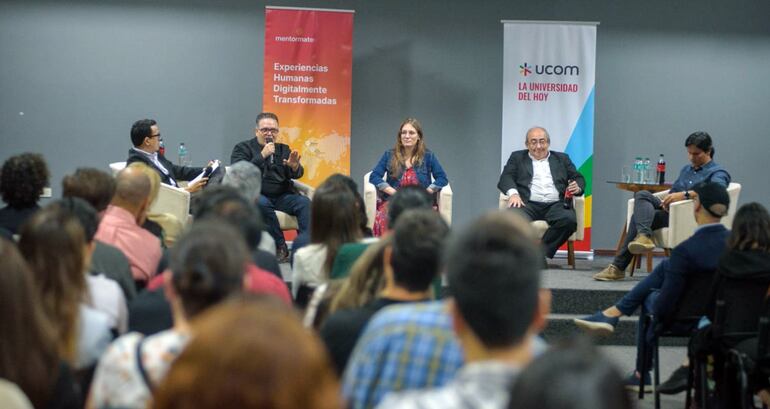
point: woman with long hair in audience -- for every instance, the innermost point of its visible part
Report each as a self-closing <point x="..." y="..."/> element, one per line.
<point x="410" y="162"/>
<point x="250" y="354"/>
<point x="54" y="244"/>
<point x="206" y="267"/>
<point x="29" y="355"/>
<point x="334" y="222"/>
<point x="22" y="179"/>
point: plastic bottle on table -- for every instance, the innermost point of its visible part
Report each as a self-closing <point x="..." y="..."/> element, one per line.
<point x="184" y="156"/>
<point x="661" y="170"/>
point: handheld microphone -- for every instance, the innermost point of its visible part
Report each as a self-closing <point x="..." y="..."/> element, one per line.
<point x="269" y="139"/>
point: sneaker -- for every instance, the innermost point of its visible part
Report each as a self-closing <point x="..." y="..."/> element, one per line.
<point x="676" y="383"/>
<point x="641" y="244"/>
<point x="282" y="254"/>
<point x="632" y="382"/>
<point x="597" y="323"/>
<point x="611" y="273"/>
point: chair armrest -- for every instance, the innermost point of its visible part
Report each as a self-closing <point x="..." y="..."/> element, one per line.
<point x="304" y="189"/>
<point x="445" y="203"/>
<point x="370" y="200"/>
<point x="681" y="222"/>
<point x="174" y="201"/>
<point x="579" y="204"/>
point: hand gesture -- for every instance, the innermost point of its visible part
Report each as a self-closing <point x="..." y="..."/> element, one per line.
<point x="268" y="150"/>
<point x="197" y="185"/>
<point x="515" y="201"/>
<point x="293" y="161"/>
<point x="573" y="188"/>
<point x="671" y="198"/>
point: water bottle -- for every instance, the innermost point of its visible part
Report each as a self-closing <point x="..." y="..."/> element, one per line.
<point x="183" y="155"/>
<point x="647" y="173"/>
<point x="161" y="148"/>
<point x="638" y="170"/>
<point x="661" y="176"/>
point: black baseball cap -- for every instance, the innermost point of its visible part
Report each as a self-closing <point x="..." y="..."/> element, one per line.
<point x="714" y="198"/>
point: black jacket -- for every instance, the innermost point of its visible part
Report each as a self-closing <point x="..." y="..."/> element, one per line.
<point x="276" y="177"/>
<point x="517" y="173"/>
<point x="185" y="173"/>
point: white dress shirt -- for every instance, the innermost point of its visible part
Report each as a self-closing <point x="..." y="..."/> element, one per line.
<point x="542" y="188"/>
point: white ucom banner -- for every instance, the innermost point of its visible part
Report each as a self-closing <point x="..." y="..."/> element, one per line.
<point x="548" y="81"/>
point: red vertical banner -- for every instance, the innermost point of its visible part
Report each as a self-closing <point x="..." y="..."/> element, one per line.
<point x="307" y="83"/>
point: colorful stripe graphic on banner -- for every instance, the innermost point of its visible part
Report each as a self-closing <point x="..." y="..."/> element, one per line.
<point x="307" y="83"/>
<point x="548" y="81"/>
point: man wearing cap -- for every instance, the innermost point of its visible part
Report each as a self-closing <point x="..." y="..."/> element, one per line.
<point x="697" y="255"/>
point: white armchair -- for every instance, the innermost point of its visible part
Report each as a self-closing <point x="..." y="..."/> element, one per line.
<point x="681" y="223"/>
<point x="286" y="221"/>
<point x="370" y="201"/>
<point x="540" y="226"/>
<point x="170" y="200"/>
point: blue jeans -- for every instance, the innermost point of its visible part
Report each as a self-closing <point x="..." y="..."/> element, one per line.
<point x="290" y="203"/>
<point x="648" y="216"/>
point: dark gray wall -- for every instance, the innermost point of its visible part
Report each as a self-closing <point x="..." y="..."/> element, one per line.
<point x="83" y="71"/>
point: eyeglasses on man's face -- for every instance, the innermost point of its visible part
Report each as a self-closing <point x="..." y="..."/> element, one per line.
<point x="271" y="131"/>
<point x="535" y="142"/>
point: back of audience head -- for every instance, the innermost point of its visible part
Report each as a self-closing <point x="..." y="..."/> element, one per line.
<point x="360" y="206"/>
<point x="207" y="265"/>
<point x="415" y="255"/>
<point x="22" y="179"/>
<point x="751" y="229"/>
<point x="132" y="190"/>
<point x="334" y="219"/>
<point x="28" y="353"/>
<point x="92" y="185"/>
<point x="570" y="376"/>
<point x="246" y="178"/>
<point x="407" y="197"/>
<point x="54" y="244"/>
<point x="269" y="360"/>
<point x="493" y="267"/>
<point x="229" y="205"/>
<point x="152" y="175"/>
<point x="366" y="278"/>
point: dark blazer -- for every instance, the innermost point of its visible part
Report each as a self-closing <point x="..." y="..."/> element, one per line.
<point x="276" y="177"/>
<point x="517" y="173"/>
<point x="185" y="173"/>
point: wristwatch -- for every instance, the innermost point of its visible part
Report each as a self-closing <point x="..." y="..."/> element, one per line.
<point x="687" y="195"/>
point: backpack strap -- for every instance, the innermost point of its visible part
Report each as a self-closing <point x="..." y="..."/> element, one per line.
<point x="140" y="365"/>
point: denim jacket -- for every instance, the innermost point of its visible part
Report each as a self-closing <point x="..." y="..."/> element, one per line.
<point x="427" y="168"/>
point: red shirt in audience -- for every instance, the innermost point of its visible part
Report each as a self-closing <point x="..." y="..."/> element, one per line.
<point x="118" y="228"/>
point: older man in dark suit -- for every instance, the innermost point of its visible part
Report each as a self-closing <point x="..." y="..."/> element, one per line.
<point x="535" y="180"/>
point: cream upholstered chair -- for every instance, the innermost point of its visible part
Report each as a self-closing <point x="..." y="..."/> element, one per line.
<point x="286" y="221"/>
<point x="681" y="223"/>
<point x="370" y="201"/>
<point x="540" y="226"/>
<point x="171" y="200"/>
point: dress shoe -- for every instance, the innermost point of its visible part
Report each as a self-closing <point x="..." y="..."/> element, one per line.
<point x="641" y="244"/>
<point x="677" y="383"/>
<point x="282" y="254"/>
<point x="611" y="273"/>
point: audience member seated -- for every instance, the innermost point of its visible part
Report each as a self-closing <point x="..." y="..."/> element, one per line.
<point x="29" y="354"/>
<point x="410" y="162"/>
<point x="334" y="221"/>
<point x="121" y="224"/>
<point x="660" y="291"/>
<point x="741" y="282"/>
<point x="22" y="180"/>
<point x="97" y="188"/>
<point x="206" y="267"/>
<point x="151" y="313"/>
<point x="535" y="180"/>
<point x="104" y="294"/>
<point x="268" y="361"/>
<point x="246" y="178"/>
<point x="497" y="310"/>
<point x="409" y="266"/>
<point x="279" y="165"/>
<point x="56" y="248"/>
<point x="568" y="376"/>
<point x="145" y="136"/>
<point x="651" y="213"/>
<point x="164" y="226"/>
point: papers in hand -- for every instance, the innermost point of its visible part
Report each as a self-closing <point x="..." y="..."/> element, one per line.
<point x="207" y="171"/>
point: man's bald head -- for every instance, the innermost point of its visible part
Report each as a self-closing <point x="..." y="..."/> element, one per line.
<point x="132" y="188"/>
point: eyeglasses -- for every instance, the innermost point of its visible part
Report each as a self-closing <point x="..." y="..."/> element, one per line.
<point x="405" y="132"/>
<point x="269" y="130"/>
<point x="154" y="136"/>
<point x="535" y="142"/>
